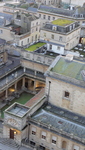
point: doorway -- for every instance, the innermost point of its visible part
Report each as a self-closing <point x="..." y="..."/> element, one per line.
<point x="11" y="134"/>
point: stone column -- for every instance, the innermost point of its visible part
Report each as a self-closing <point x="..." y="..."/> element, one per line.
<point x="34" y="85"/>
<point x="15" y="86"/>
<point x="35" y="73"/>
<point x="24" y="69"/>
<point x="23" y="83"/>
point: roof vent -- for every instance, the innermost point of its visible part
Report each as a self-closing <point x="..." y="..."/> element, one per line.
<point x="69" y="57"/>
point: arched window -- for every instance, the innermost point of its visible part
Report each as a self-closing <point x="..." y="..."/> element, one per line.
<point x="64" y="144"/>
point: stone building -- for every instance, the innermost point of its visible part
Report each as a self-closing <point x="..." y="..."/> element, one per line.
<point x="48" y="14"/>
<point x="61" y="35"/>
<point x="16" y="117"/>
<point x="59" y="124"/>
<point x="23" y="30"/>
<point x="56" y="3"/>
<point x="76" y="2"/>
<point x="57" y="120"/>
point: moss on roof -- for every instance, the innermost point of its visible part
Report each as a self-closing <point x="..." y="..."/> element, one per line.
<point x="69" y="68"/>
<point x="62" y="22"/>
<point x="35" y="46"/>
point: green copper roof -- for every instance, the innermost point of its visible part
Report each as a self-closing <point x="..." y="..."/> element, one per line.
<point x="69" y="68"/>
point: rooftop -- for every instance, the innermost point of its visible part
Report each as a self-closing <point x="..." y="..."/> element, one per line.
<point x="17" y="109"/>
<point x="61" y="119"/>
<point x="69" y="68"/>
<point x="35" y="46"/>
<point x="62" y="22"/>
<point x="56" y="11"/>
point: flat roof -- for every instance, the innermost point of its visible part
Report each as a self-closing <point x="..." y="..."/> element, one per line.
<point x="62" y="22"/>
<point x="17" y="109"/>
<point x="35" y="46"/>
<point x="74" y="69"/>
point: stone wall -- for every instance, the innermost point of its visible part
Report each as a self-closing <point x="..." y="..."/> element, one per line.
<point x="75" y="102"/>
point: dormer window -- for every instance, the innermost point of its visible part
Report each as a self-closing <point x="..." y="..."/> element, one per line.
<point x="73" y="26"/>
<point x="81" y="15"/>
<point x="74" y="15"/>
<point x="54" y="28"/>
<point x="48" y="17"/>
<point x="70" y="28"/>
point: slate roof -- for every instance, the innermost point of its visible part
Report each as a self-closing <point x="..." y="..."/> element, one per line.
<point x="2" y="41"/>
<point x="31" y="9"/>
<point x="56" y="10"/>
<point x="58" y="118"/>
<point x="61" y="11"/>
<point x="59" y="28"/>
<point x="2" y="21"/>
<point x="8" y="17"/>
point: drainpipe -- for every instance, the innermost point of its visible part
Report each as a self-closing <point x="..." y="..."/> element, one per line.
<point x="28" y="131"/>
<point x="48" y="91"/>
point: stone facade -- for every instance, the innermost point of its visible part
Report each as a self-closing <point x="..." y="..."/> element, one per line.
<point x="60" y="142"/>
<point x="76" y="2"/>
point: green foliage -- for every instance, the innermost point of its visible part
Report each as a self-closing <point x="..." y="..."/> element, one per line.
<point x="35" y="46"/>
<point x="62" y="22"/>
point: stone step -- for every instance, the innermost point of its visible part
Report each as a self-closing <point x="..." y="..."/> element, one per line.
<point x="9" y="142"/>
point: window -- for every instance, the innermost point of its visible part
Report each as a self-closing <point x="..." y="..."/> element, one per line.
<point x="38" y="59"/>
<point x="32" y="39"/>
<point x="36" y="37"/>
<point x="66" y="94"/>
<point x="44" y="16"/>
<point x="36" y="23"/>
<point x="21" y="43"/>
<point x="76" y="147"/>
<point x="52" y="36"/>
<point x="50" y="46"/>
<point x="28" y="40"/>
<point x="53" y="18"/>
<point x="53" y="139"/>
<point x="54" y="28"/>
<point x="81" y="15"/>
<point x="58" y="48"/>
<point x="32" y="30"/>
<point x="39" y="15"/>
<point x="60" y="38"/>
<point x="48" y="17"/>
<point x="1" y="31"/>
<point x="44" y="34"/>
<point x="33" y="131"/>
<point x="70" y="28"/>
<point x="64" y="144"/>
<point x="43" y="135"/>
<point x="36" y="29"/>
<point x="25" y="19"/>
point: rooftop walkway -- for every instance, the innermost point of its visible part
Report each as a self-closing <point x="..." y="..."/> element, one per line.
<point x="36" y="98"/>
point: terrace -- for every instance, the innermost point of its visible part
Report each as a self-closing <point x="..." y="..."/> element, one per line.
<point x="62" y="22"/>
<point x="35" y="46"/>
<point x="80" y="48"/>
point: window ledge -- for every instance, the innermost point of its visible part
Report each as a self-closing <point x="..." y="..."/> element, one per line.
<point x="66" y="98"/>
